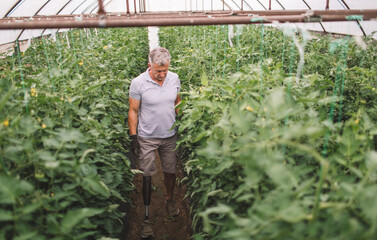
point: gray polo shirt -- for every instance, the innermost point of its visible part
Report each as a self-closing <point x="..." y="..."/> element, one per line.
<point x="156" y="113"/>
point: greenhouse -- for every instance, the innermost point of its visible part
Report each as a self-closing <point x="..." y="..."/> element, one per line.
<point x="188" y="119"/>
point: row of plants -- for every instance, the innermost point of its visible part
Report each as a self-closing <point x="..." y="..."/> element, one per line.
<point x="208" y="50"/>
<point x="64" y="170"/>
<point x="271" y="152"/>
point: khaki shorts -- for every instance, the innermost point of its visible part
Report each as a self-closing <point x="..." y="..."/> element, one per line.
<point x="166" y="151"/>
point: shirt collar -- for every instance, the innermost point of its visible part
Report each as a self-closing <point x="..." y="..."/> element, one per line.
<point x="148" y="77"/>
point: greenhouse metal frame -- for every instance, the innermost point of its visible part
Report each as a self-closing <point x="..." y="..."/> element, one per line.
<point x="93" y="14"/>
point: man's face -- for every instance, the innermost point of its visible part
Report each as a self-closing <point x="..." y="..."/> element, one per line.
<point x="157" y="72"/>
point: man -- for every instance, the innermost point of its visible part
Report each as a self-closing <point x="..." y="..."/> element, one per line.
<point x="153" y="96"/>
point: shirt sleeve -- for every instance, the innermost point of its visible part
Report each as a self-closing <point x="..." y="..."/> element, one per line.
<point x="134" y="91"/>
<point x="179" y="85"/>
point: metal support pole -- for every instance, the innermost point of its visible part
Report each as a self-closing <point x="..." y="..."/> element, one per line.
<point x="367" y="14"/>
<point x="281" y="5"/>
<point x="248" y="5"/>
<point x="236" y="4"/>
<point x="241" y="4"/>
<point x="128" y="8"/>
<point x="125" y="21"/>
<point x="327" y="4"/>
<point x="135" y="5"/>
<point x="262" y="5"/>
<point x="183" y="19"/>
<point x="269" y="5"/>
<point x="12" y="8"/>
<point x="101" y="10"/>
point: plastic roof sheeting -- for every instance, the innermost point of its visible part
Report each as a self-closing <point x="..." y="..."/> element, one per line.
<point x="22" y="8"/>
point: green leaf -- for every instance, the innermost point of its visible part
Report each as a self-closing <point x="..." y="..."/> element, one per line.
<point x="371" y="160"/>
<point x="94" y="186"/>
<point x="281" y="175"/>
<point x="74" y="217"/>
<point x="26" y="236"/>
<point x="5" y="98"/>
<point x="350" y="144"/>
<point x="119" y="127"/>
<point x="67" y="135"/>
<point x="88" y="89"/>
<point x="85" y="235"/>
<point x="45" y="156"/>
<point x="200" y="136"/>
<point x="30" y="208"/>
<point x="204" y="78"/>
<point x="276" y="100"/>
<point x="227" y="163"/>
<point x="51" y="143"/>
<point x="6" y="215"/>
<point x="368" y="202"/>
<point x="11" y="189"/>
<point x="293" y="213"/>
<point x="82" y="111"/>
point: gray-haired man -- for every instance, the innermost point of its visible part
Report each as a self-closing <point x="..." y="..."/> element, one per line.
<point x="153" y="96"/>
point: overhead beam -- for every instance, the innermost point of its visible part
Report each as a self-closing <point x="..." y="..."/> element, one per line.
<point x="367" y="13"/>
<point x="183" y="19"/>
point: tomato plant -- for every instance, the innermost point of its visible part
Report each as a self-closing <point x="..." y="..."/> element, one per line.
<point x="64" y="170"/>
<point x="268" y="155"/>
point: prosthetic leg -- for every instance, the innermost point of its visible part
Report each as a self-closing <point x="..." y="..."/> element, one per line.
<point x="147" y="191"/>
<point x="147" y="230"/>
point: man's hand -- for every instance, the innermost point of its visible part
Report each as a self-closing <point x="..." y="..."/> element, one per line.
<point x="135" y="146"/>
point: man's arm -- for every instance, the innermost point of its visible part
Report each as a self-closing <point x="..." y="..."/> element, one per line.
<point x="132" y="115"/>
<point x="177" y="101"/>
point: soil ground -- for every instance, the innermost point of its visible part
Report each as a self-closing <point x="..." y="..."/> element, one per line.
<point x="164" y="227"/>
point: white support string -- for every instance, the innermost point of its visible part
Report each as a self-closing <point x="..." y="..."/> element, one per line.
<point x="66" y="36"/>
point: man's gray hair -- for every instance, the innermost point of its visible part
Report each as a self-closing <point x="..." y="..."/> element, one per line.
<point x="159" y="56"/>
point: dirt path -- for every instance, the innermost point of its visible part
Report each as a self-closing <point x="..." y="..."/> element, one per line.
<point x="164" y="227"/>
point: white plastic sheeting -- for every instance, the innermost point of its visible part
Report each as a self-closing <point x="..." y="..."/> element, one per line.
<point x="16" y="8"/>
<point x="153" y="37"/>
